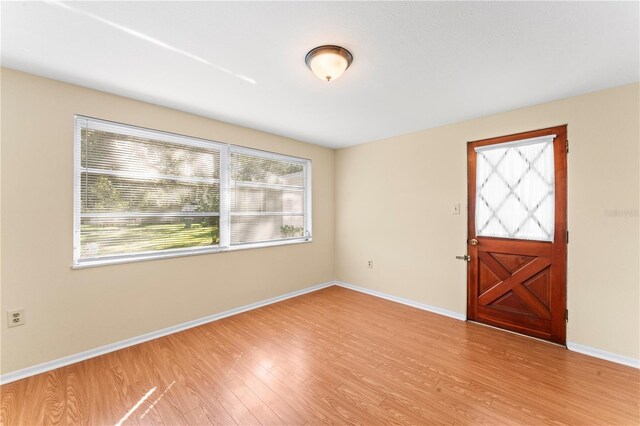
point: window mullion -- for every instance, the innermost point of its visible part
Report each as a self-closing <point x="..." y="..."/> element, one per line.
<point x="77" y="184"/>
<point x="225" y="198"/>
<point x="308" y="233"/>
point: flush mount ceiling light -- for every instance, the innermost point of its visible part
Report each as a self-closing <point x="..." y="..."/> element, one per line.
<point x="328" y="62"/>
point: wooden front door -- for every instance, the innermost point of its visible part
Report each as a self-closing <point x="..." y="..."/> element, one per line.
<point x="517" y="232"/>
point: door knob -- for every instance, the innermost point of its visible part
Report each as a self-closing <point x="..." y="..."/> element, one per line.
<point x="465" y="257"/>
<point x="473" y="242"/>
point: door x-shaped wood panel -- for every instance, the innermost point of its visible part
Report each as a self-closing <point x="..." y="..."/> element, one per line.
<point x="515" y="282"/>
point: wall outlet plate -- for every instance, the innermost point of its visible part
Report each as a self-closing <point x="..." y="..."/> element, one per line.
<point x="15" y="317"/>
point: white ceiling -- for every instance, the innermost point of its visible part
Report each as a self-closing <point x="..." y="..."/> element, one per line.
<point x="416" y="64"/>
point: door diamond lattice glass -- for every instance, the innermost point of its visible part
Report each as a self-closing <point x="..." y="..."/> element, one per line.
<point x="515" y="190"/>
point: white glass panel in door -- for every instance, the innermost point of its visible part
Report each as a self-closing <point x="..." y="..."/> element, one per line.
<point x="515" y="190"/>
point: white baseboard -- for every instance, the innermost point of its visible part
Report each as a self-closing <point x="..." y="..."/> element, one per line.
<point x="423" y="306"/>
<point x="71" y="359"/>
<point x="609" y="356"/>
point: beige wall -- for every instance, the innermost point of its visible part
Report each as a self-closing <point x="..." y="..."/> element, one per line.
<point x="69" y="311"/>
<point x="395" y="200"/>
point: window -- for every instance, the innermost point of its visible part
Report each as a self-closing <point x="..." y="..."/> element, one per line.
<point x="267" y="197"/>
<point x="515" y="190"/>
<point x="142" y="194"/>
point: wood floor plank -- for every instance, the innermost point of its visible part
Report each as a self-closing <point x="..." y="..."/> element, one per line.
<point x="295" y="395"/>
<point x="76" y="393"/>
<point x="333" y="356"/>
<point x="250" y="400"/>
<point x="282" y="409"/>
<point x="197" y="417"/>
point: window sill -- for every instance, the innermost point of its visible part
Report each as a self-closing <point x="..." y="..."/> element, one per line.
<point x="184" y="252"/>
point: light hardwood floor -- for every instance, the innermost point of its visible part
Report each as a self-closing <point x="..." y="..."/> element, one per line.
<point x="334" y="356"/>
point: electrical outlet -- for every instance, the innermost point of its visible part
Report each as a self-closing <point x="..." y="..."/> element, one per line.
<point x="456" y="208"/>
<point x="15" y="317"/>
<point x="369" y="264"/>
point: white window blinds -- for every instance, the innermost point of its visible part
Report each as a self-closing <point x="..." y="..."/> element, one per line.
<point x="515" y="190"/>
<point x="267" y="197"/>
<point x="141" y="193"/>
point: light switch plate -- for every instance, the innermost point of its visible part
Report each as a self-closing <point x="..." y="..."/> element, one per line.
<point x="456" y="208"/>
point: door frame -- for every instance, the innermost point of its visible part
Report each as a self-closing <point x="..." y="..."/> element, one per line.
<point x="561" y="237"/>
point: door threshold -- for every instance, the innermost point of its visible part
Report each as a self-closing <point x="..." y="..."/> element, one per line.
<point x="518" y="334"/>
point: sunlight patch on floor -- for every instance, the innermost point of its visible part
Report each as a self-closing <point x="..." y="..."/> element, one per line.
<point x="135" y="407"/>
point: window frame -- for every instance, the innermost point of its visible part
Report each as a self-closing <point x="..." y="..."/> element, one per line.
<point x="224" y="181"/>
